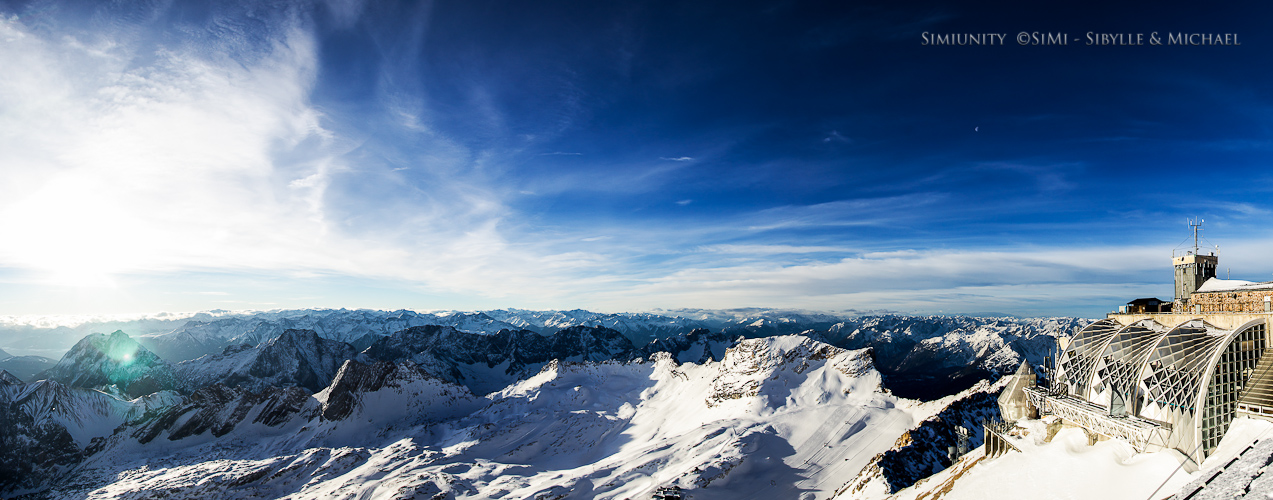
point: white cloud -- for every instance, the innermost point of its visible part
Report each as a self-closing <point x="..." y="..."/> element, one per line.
<point x="856" y="212"/>
<point x="835" y="136"/>
<point x="114" y="169"/>
<point x="679" y="158"/>
<point x="202" y="161"/>
<point x="773" y="249"/>
<point x="1018" y="280"/>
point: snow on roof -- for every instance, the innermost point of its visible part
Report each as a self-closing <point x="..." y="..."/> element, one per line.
<point x="1219" y="285"/>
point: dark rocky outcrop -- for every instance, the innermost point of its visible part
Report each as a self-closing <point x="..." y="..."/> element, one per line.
<point x="699" y="346"/>
<point x="37" y="421"/>
<point x="361" y="344"/>
<point x="355" y="377"/>
<point x="445" y="352"/>
<point x="294" y="358"/>
<point x="219" y="408"/>
<point x="924" y="450"/>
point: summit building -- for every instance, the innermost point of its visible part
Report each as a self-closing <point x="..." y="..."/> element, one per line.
<point x="1165" y="375"/>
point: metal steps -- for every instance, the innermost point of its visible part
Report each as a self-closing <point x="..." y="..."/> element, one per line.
<point x="1257" y="398"/>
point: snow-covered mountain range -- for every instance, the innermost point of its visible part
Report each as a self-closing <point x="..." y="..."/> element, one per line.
<point x="742" y="409"/>
<point x="756" y="423"/>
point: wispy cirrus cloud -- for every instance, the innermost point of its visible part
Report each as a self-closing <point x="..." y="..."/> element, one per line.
<point x="1026" y="280"/>
<point x="122" y="156"/>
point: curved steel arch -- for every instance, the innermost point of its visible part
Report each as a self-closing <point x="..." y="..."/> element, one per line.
<point x="1120" y="365"/>
<point x="1080" y="356"/>
<point x="1175" y="379"/>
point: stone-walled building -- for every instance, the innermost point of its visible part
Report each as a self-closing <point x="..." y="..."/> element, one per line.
<point x="1217" y="295"/>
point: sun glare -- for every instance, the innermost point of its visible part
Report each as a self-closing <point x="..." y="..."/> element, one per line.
<point x="71" y="234"/>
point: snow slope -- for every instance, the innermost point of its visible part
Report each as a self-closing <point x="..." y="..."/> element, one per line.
<point x="1066" y="468"/>
<point x="50" y="427"/>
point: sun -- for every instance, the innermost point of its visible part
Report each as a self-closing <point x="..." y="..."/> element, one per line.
<point x="73" y="234"/>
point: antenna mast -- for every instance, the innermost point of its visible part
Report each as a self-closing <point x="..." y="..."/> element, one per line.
<point x="1196" y="224"/>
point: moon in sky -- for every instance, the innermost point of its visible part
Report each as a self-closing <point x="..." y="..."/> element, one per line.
<point x="976" y="129"/>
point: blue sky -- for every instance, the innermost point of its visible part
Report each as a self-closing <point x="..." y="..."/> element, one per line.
<point x="620" y="156"/>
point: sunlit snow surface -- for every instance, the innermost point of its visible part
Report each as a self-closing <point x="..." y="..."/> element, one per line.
<point x="1068" y="468"/>
<point x="779" y="417"/>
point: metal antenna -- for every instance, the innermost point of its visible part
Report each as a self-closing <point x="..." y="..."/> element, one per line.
<point x="1196" y="224"/>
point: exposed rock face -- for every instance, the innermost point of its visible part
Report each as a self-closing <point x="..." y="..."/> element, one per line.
<point x="46" y="428"/>
<point x="219" y="408"/>
<point x="295" y="358"/>
<point x="699" y="346"/>
<point x="361" y="344"/>
<point x="36" y="449"/>
<point x="357" y="377"/>
<point x="459" y="357"/>
<point x="924" y="450"/>
<point x="100" y="361"/>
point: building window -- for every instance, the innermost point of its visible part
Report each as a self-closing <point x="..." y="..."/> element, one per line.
<point x="1231" y="372"/>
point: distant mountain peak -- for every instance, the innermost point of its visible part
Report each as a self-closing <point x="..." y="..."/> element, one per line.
<point x="99" y="360"/>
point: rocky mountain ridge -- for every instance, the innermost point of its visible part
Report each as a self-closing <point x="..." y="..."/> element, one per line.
<point x="294" y="358"/>
<point x="960" y="348"/>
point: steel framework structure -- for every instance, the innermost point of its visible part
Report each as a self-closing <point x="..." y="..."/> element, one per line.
<point x="1155" y="386"/>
